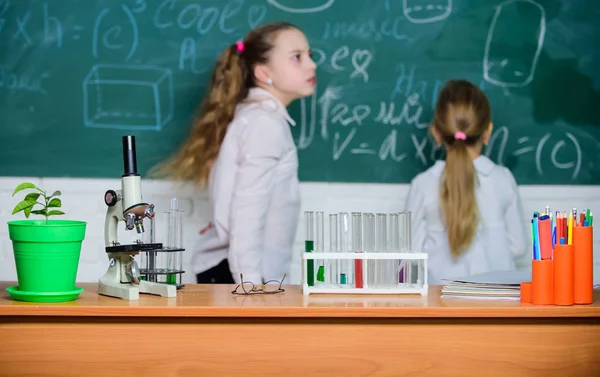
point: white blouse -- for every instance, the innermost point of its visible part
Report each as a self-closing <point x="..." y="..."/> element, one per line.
<point x="254" y="194"/>
<point x="501" y="235"/>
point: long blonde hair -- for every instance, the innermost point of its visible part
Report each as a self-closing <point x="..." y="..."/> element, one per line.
<point x="231" y="80"/>
<point x="462" y="111"/>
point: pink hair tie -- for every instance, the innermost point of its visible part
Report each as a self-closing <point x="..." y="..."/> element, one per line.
<point x="239" y="45"/>
<point x="460" y="136"/>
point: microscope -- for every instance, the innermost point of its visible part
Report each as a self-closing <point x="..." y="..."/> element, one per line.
<point x="122" y="279"/>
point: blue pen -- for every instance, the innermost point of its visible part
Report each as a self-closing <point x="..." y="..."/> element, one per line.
<point x="585" y="223"/>
<point x="536" y="235"/>
<point x="533" y="238"/>
<point x="562" y="240"/>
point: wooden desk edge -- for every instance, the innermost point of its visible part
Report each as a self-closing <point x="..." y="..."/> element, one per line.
<point x="296" y="306"/>
<point x="301" y="313"/>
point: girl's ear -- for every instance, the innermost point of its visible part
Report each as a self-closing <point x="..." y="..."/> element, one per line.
<point x="261" y="74"/>
<point x="436" y="134"/>
<point x="485" y="138"/>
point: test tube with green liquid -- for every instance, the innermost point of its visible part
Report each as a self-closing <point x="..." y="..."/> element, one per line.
<point x="309" y="246"/>
<point x="345" y="266"/>
<point x="319" y="247"/>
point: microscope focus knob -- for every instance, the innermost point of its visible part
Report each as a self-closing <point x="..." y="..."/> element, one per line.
<point x="130" y="221"/>
<point x="111" y="198"/>
<point x="149" y="212"/>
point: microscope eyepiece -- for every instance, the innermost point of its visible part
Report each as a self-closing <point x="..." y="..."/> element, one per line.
<point x="129" y="157"/>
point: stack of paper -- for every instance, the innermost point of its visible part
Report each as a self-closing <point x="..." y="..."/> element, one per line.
<point x="493" y="285"/>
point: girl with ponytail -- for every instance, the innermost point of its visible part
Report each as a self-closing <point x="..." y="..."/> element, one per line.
<point x="466" y="210"/>
<point x="241" y="149"/>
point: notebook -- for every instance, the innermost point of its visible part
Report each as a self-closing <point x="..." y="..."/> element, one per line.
<point x="494" y="284"/>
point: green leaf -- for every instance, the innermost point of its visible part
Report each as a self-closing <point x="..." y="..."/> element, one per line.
<point x="25" y="185"/>
<point x="55" y="212"/>
<point x="55" y="203"/>
<point x="39" y="212"/>
<point x="22" y="205"/>
<point x="27" y="211"/>
<point x="55" y="193"/>
<point x="33" y="196"/>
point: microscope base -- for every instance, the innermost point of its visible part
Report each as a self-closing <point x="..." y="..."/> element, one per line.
<point x="125" y="291"/>
<point x="161" y="289"/>
<point x="111" y="284"/>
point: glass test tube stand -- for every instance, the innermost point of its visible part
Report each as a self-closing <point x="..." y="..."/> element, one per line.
<point x="368" y="253"/>
<point x="419" y="287"/>
<point x="155" y="269"/>
<point x="165" y="265"/>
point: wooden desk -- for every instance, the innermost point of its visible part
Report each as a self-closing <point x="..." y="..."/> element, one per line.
<point x="205" y="331"/>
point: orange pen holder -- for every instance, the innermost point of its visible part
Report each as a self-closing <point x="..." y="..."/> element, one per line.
<point x="563" y="275"/>
<point x="526" y="292"/>
<point x="542" y="282"/>
<point x="583" y="264"/>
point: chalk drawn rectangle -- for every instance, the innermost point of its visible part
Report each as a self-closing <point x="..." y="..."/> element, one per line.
<point x="128" y="97"/>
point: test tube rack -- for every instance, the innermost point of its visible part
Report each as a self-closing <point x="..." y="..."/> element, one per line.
<point x="420" y="286"/>
<point x="154" y="270"/>
<point x="165" y="265"/>
<point x="368" y="253"/>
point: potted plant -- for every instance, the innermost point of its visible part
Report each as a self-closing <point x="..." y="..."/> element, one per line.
<point x="46" y="251"/>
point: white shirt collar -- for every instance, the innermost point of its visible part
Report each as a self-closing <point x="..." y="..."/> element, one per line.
<point x="256" y="93"/>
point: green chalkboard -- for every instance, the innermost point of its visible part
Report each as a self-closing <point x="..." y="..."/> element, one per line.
<point x="77" y="75"/>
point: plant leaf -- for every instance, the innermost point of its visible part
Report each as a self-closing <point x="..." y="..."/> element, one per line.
<point x="33" y="196"/>
<point x="27" y="211"/>
<point x="22" y="205"/>
<point x="23" y="186"/>
<point x="39" y="212"/>
<point x="55" y="193"/>
<point x="55" y="212"/>
<point x="55" y="203"/>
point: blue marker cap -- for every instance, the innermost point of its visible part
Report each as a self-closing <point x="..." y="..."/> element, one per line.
<point x="585" y="223"/>
<point x="562" y="240"/>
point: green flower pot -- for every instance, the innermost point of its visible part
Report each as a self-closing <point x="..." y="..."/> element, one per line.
<point x="47" y="257"/>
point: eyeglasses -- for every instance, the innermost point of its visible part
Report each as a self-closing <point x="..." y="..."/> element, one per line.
<point x="248" y="287"/>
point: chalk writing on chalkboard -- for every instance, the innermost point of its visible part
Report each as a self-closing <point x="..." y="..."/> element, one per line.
<point x="106" y="85"/>
<point x="107" y="38"/>
<point x="428" y="11"/>
<point x="307" y="7"/>
<point x="143" y="66"/>
<point x="505" y="64"/>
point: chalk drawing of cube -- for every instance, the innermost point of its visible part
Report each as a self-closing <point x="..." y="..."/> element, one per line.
<point x="128" y="97"/>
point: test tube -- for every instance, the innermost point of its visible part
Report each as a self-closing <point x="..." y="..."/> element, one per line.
<point x="405" y="273"/>
<point x="309" y="247"/>
<point x="404" y="224"/>
<point x="394" y="247"/>
<point x="174" y="238"/>
<point x="369" y="247"/>
<point x="331" y="265"/>
<point x="148" y="258"/>
<point x="346" y="272"/>
<point x="319" y="247"/>
<point x="384" y="267"/>
<point x="357" y="247"/>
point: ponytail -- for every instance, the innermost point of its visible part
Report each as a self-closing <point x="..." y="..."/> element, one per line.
<point x="457" y="198"/>
<point x="462" y="116"/>
<point x="228" y="86"/>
